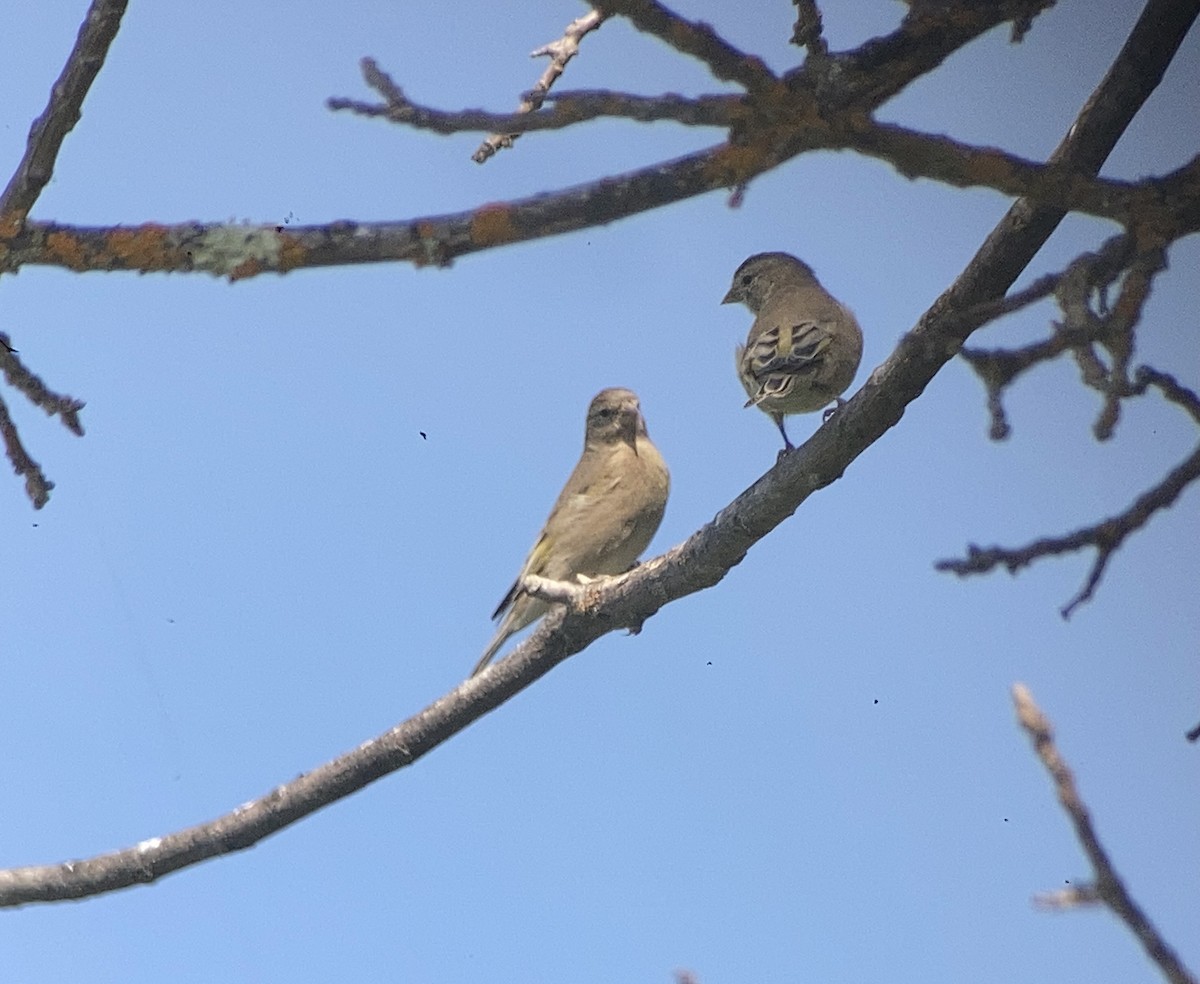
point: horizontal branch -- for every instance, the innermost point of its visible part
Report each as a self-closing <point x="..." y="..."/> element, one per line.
<point x="241" y="251"/>
<point x="567" y="109"/>
<point x="1108" y="886"/>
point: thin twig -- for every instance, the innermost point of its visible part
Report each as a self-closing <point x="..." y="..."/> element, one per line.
<point x="63" y="110"/>
<point x="806" y="33"/>
<point x="66" y="408"/>
<point x="560" y="52"/>
<point x="1086" y="274"/>
<point x="1105" y="537"/>
<point x="1108" y="885"/>
<point x="37" y="485"/>
<point x="567" y="109"/>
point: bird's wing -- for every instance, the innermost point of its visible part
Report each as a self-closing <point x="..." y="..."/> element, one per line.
<point x="787" y="347"/>
<point x="588" y="485"/>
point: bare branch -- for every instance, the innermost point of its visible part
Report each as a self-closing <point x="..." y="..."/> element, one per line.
<point x="1106" y="536"/>
<point x="807" y="31"/>
<point x="62" y="112"/>
<point x="1084" y="276"/>
<point x="241" y="251"/>
<point x="915" y="154"/>
<point x="930" y="32"/>
<point x="693" y="38"/>
<point x="1108" y="885"/>
<point x="629" y="600"/>
<point x="568" y="109"/>
<point x="65" y="407"/>
<point x="560" y="52"/>
<point x="37" y="485"/>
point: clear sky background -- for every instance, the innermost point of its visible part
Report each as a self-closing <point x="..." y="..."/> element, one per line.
<point x="253" y="561"/>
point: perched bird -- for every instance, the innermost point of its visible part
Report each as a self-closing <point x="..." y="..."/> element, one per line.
<point x="604" y="517"/>
<point x="804" y="347"/>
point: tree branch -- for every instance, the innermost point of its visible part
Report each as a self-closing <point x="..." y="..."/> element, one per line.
<point x="37" y="485"/>
<point x="61" y="113"/>
<point x="66" y="408"/>
<point x="1086" y="275"/>
<point x="700" y="562"/>
<point x="560" y="51"/>
<point x="1108" y="886"/>
<point x="568" y="109"/>
<point x="693" y="38"/>
<point x="807" y="31"/>
<point x="1107" y="535"/>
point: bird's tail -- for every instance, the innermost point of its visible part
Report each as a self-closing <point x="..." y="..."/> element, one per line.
<point x="498" y="640"/>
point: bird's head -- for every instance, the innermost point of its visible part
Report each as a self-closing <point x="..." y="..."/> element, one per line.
<point x="761" y="273"/>
<point x="614" y="415"/>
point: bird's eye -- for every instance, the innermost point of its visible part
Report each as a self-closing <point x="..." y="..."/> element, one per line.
<point x="746" y="279"/>
<point x="606" y="412"/>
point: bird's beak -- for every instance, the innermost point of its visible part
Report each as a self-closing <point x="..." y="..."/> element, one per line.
<point x="639" y="427"/>
<point x="729" y="298"/>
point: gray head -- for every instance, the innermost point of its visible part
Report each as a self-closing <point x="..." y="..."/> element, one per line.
<point x="614" y="415"/>
<point x="761" y="273"/>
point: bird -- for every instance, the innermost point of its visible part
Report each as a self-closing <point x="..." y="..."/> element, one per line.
<point x="605" y="516"/>
<point x="804" y="346"/>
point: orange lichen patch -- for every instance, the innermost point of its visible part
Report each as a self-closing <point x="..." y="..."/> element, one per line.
<point x="733" y="165"/>
<point x="992" y="170"/>
<point x="144" y="248"/>
<point x="246" y="269"/>
<point x="291" y="254"/>
<point x="12" y="222"/>
<point x="493" y="225"/>
<point x="67" y="250"/>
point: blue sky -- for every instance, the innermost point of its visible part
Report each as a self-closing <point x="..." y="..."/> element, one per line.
<point x="253" y="561"/>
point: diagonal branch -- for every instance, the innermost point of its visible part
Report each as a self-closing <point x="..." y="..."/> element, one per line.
<point x="37" y="485"/>
<point x="1085" y="276"/>
<point x="693" y="38"/>
<point x="929" y="34"/>
<point x="1108" y="886"/>
<point x="62" y="112"/>
<point x="66" y="408"/>
<point x="560" y="52"/>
